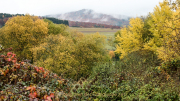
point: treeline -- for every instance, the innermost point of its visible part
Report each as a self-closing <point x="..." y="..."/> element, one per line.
<point x="4" y="17"/>
<point x="91" y="25"/>
<point x="57" y="21"/>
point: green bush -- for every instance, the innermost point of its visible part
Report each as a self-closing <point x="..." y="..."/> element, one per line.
<point x="139" y="60"/>
<point x="56" y="28"/>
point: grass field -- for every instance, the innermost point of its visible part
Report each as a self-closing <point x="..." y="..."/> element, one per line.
<point x="108" y="32"/>
<point x="104" y="31"/>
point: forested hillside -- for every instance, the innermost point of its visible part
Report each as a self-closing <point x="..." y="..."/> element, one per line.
<point x="90" y="16"/>
<point x="4" y="17"/>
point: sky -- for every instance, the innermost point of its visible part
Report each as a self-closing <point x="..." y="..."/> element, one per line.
<point x="132" y="8"/>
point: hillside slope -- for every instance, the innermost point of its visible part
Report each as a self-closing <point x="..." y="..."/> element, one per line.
<point x="86" y="15"/>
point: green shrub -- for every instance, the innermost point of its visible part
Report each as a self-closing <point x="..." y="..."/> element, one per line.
<point x="139" y="60"/>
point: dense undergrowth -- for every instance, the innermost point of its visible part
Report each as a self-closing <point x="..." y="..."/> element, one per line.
<point x="109" y="81"/>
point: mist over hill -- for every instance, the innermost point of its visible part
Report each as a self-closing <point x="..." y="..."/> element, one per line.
<point x="88" y="15"/>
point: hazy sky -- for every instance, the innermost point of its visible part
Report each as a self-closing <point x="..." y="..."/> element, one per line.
<point x="45" y="7"/>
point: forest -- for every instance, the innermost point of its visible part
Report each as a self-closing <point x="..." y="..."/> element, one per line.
<point x="41" y="60"/>
<point x="5" y="16"/>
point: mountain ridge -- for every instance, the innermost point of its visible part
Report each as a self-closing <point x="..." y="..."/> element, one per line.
<point x="88" y="15"/>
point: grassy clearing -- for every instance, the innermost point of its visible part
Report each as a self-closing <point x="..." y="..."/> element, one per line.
<point x="108" y="32"/>
<point x="95" y="29"/>
<point x="104" y="31"/>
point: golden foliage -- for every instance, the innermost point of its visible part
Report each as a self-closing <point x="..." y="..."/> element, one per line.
<point x="73" y="56"/>
<point x="164" y="25"/>
<point x="111" y="54"/>
<point x="56" y="54"/>
<point x="165" y="28"/>
<point x="22" y="33"/>
<point x="131" y="37"/>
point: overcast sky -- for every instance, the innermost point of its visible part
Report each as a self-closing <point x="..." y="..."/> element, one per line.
<point x="131" y="8"/>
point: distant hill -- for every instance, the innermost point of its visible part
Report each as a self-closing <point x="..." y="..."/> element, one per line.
<point x="86" y="24"/>
<point x="86" y="15"/>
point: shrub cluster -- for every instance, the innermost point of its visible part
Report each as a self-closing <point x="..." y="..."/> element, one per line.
<point x="53" y="46"/>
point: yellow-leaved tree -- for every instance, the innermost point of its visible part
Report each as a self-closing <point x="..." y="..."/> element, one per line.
<point x="56" y="53"/>
<point x="22" y="33"/>
<point x="73" y="56"/>
<point x="130" y="38"/>
<point x="159" y="32"/>
<point x="89" y="51"/>
<point x="165" y="27"/>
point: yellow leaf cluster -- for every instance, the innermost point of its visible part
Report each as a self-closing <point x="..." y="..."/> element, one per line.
<point x="72" y="55"/>
<point x="165" y="28"/>
<point x="22" y="33"/>
<point x="111" y="54"/>
<point x="131" y="38"/>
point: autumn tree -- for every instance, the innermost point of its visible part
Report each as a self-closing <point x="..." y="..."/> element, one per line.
<point x="165" y="27"/>
<point x="89" y="51"/>
<point x="56" y="54"/>
<point x="159" y="32"/>
<point x="130" y="38"/>
<point x="22" y="33"/>
<point x="72" y="55"/>
<point x="56" y="28"/>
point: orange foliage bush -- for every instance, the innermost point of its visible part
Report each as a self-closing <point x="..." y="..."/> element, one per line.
<point x="111" y="54"/>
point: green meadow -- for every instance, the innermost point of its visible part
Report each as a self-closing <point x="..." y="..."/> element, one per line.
<point x="104" y="31"/>
<point x="108" y="32"/>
